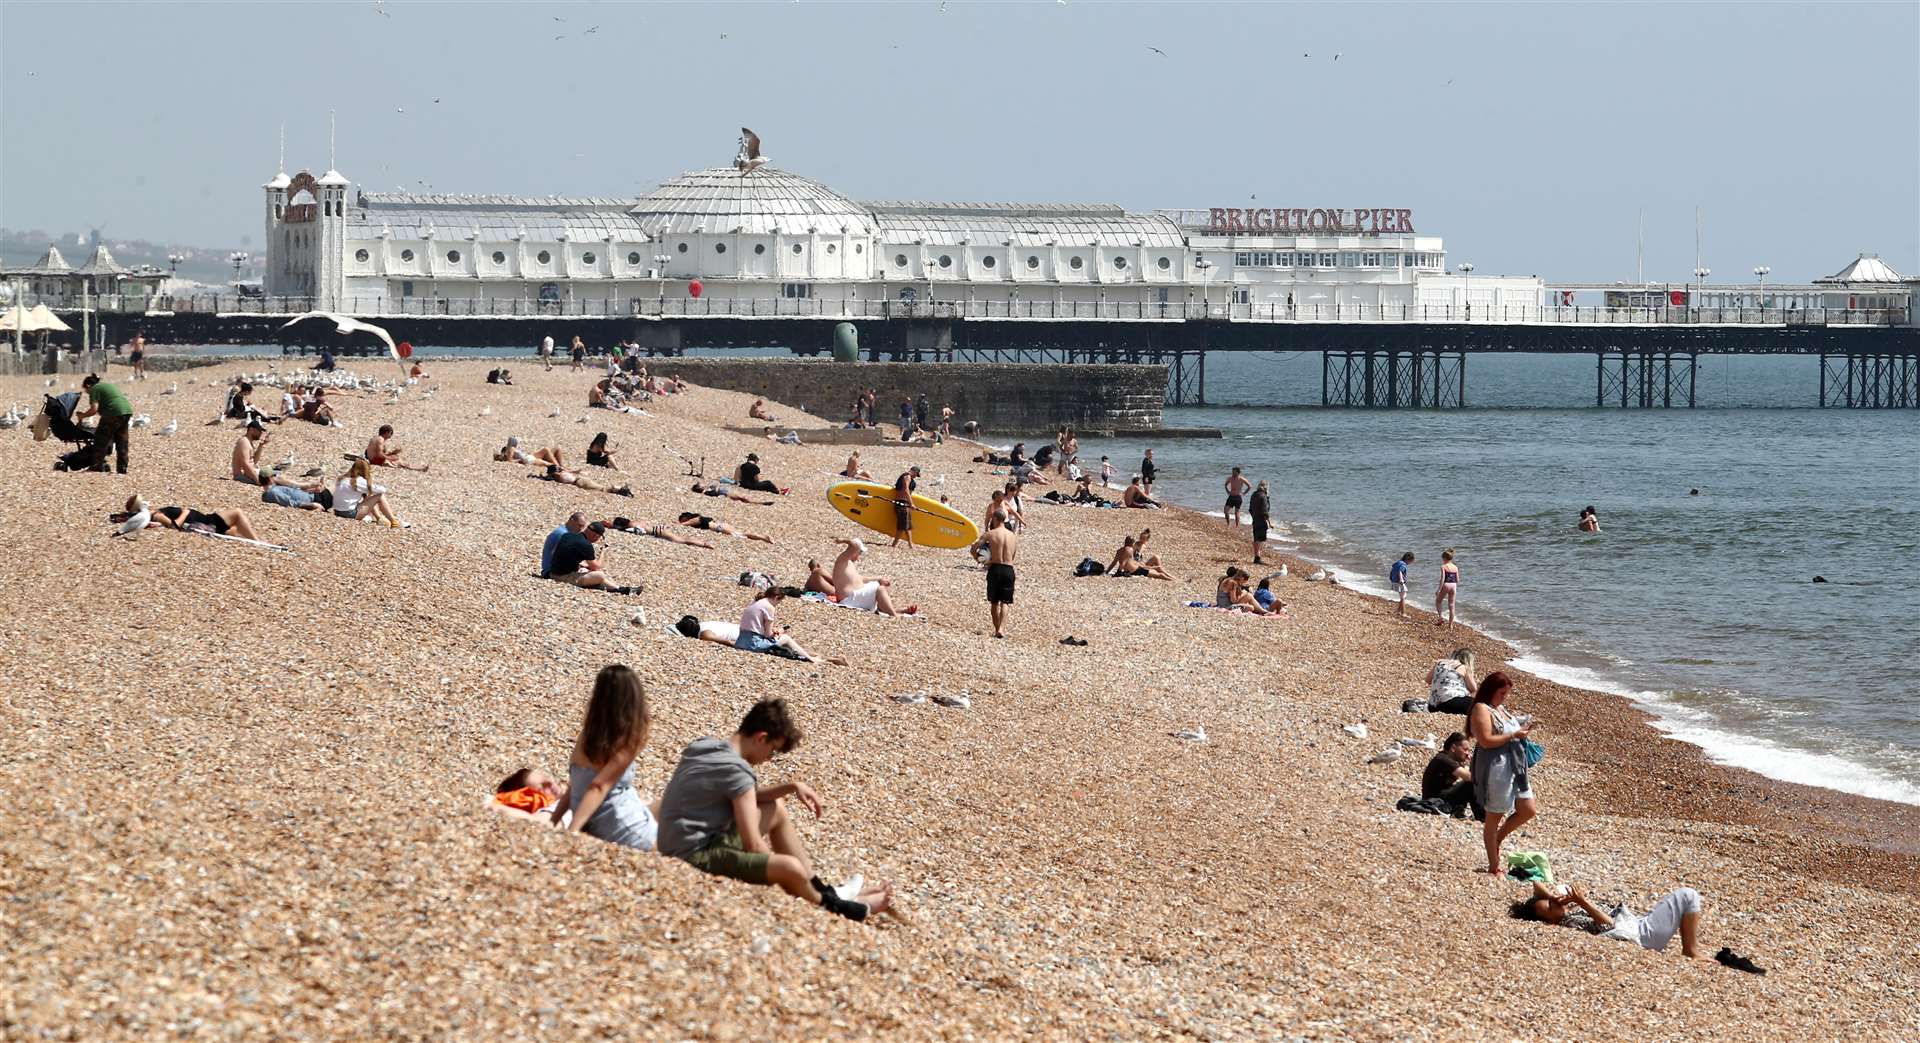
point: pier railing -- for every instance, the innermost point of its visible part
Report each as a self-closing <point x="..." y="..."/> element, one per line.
<point x="1007" y="310"/>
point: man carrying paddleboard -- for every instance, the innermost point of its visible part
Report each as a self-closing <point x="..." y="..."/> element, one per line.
<point x="903" y="488"/>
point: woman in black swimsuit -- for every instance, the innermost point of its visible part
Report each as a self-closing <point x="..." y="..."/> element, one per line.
<point x="694" y="520"/>
<point x="218" y="522"/>
<point x="598" y="455"/>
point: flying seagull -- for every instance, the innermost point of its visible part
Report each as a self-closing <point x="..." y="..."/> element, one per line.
<point x="749" y="158"/>
<point x="591" y="31"/>
<point x="1336" y="56"/>
<point x="1156" y="50"/>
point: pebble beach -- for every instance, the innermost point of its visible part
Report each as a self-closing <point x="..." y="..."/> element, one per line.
<point x="250" y="787"/>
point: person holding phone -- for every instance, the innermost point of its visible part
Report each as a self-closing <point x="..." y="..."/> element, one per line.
<point x="1499" y="765"/>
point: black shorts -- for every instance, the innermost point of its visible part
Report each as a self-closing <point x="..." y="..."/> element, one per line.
<point x="1233" y="501"/>
<point x="211" y="521"/>
<point x="1000" y="584"/>
<point x="1259" y="530"/>
<point x="902" y="517"/>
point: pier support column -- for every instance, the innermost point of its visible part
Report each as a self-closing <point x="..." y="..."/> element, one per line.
<point x="1186" y="377"/>
<point x="1420" y="379"/>
<point x="1645" y="379"/>
<point x="1864" y="381"/>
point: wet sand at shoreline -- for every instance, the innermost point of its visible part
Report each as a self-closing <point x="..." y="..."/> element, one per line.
<point x="249" y="786"/>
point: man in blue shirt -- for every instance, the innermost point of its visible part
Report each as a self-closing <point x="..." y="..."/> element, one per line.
<point x="1398" y="577"/>
<point x="575" y="523"/>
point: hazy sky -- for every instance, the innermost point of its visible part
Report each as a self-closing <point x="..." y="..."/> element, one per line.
<point x="1795" y="126"/>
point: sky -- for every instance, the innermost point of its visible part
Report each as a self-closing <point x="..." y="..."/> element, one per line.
<point x="1530" y="136"/>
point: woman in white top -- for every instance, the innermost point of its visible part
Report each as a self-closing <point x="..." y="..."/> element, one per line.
<point x="513" y="451"/>
<point x="1450" y="684"/>
<point x="357" y="497"/>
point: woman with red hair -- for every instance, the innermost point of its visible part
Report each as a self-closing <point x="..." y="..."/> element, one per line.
<point x="1499" y="765"/>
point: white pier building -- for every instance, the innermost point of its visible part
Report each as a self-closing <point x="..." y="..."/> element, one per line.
<point x="767" y="241"/>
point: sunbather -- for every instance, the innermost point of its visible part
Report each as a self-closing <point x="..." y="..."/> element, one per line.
<point x="245" y="465"/>
<point x="355" y="496"/>
<point x="716" y="489"/>
<point x="528" y="793"/>
<point x="748" y="477"/>
<point x="717" y="817"/>
<point x="854" y="470"/>
<point x="600" y="455"/>
<point x="696" y="520"/>
<point x="1127" y="562"/>
<point x="576" y="561"/>
<point x="600" y="791"/>
<point x="383" y="453"/>
<point x="513" y="452"/>
<point x="1678" y="912"/>
<point x="758" y="410"/>
<point x="555" y="473"/>
<point x="856" y="591"/>
<point x="221" y="522"/>
<point x="657" y="530"/>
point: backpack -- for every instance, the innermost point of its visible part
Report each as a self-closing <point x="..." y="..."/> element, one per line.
<point x="1089" y="567"/>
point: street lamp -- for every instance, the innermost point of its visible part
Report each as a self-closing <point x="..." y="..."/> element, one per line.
<point x="1700" y="277"/>
<point x="1760" y="272"/>
<point x="1206" y="284"/>
<point x="1466" y="285"/>
<point x="238" y="259"/>
<point x="173" y="262"/>
<point x="660" y="272"/>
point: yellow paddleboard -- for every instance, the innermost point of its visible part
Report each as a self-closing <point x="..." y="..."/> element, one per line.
<point x="934" y="523"/>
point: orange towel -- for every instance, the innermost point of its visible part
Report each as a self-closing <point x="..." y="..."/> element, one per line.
<point x="525" y="799"/>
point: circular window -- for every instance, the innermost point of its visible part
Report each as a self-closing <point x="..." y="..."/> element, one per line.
<point x="857" y="248"/>
<point x="453" y="257"/>
<point x="406" y="255"/>
<point x="1119" y="263"/>
<point x="899" y="260"/>
<point x="1033" y="261"/>
<point x="796" y="248"/>
<point x="683" y="248"/>
<point x="759" y="248"/>
<point x="1165" y="264"/>
<point x="587" y="258"/>
<point x="945" y="261"/>
<point x="987" y="261"/>
<point x="499" y="258"/>
<point x="719" y="248"/>
<point x="360" y="255"/>
<point x="1074" y="262"/>
<point x="544" y="258"/>
<point x="633" y="259"/>
<point x="831" y="248"/>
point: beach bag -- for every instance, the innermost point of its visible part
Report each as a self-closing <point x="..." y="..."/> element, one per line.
<point x="759" y="581"/>
<point x="1531" y="751"/>
<point x="1089" y="567"/>
<point x="1414" y="706"/>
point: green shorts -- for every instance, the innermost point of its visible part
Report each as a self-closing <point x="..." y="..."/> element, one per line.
<point x="725" y="857"/>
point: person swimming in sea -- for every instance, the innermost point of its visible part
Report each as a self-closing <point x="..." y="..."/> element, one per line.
<point x="1589" y="520"/>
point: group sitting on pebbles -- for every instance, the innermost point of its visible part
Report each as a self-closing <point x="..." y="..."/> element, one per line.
<point x="714" y="815"/>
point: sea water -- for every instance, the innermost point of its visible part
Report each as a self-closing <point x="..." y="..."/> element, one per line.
<point x="1701" y="608"/>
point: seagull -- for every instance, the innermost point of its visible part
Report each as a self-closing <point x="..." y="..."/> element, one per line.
<point x="142" y="420"/>
<point x="749" y="158"/>
<point x="1303" y="54"/>
<point x="380" y="8"/>
<point x="591" y="31"/>
<point x="11" y="420"/>
<point x="1198" y="733"/>
<point x="556" y="412"/>
<point x="1156" y="50"/>
<point x="1358" y="731"/>
<point x="138" y="520"/>
<point x="486" y="410"/>
<point x="723" y="36"/>
<point x="172" y="389"/>
<point x="1419" y="744"/>
<point x="50" y="384"/>
<point x="1386" y="756"/>
<point x="168" y="431"/>
<point x="1336" y="56"/>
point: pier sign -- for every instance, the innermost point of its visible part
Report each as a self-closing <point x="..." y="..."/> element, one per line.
<point x="1361" y="221"/>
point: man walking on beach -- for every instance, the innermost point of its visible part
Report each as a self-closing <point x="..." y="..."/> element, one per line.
<point x="1237" y="486"/>
<point x="115" y="416"/>
<point x="1147" y="471"/>
<point x="1002" y="545"/>
<point x="1257" y="511"/>
<point x="546" y="352"/>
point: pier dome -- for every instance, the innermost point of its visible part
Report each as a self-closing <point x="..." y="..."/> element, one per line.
<point x="768" y="201"/>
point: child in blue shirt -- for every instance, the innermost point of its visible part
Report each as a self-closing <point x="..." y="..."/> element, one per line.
<point x="1398" y="577"/>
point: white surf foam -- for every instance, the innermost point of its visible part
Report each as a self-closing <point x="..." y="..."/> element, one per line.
<point x="1733" y="749"/>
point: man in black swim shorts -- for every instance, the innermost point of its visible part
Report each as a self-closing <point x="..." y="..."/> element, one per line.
<point x="1002" y="545"/>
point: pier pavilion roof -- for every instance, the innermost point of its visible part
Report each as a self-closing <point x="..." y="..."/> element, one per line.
<point x="1864" y="268"/>
<point x="102" y="263"/>
<point x="1024" y="224"/>
<point x="50" y="263"/>
<point x="765" y="202"/>
<point x="408" y="215"/>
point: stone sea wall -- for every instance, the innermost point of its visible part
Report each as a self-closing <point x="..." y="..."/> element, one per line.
<point x="1003" y="398"/>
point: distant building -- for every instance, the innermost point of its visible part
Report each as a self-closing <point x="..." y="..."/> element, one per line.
<point x="772" y="236"/>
